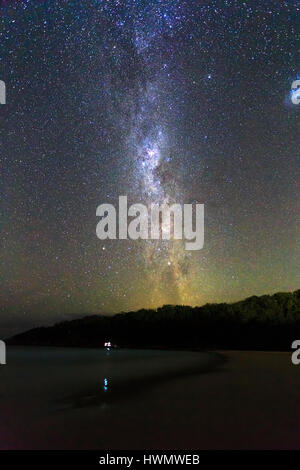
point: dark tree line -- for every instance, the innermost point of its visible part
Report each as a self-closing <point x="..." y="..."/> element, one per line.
<point x="266" y="322"/>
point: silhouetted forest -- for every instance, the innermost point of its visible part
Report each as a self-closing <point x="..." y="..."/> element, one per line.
<point x="269" y="322"/>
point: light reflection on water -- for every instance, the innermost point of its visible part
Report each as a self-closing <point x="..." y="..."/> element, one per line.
<point x="107" y="354"/>
<point x="105" y="385"/>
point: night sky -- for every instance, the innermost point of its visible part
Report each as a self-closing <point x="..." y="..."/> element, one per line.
<point x="183" y="101"/>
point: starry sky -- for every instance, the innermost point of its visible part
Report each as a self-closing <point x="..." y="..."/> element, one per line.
<point x="178" y="101"/>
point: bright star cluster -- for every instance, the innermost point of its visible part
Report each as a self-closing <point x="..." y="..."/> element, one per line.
<point x="163" y="101"/>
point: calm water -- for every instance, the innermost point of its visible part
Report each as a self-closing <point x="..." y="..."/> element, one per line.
<point x="75" y="398"/>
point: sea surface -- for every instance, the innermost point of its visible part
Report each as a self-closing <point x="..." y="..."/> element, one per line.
<point x="67" y="398"/>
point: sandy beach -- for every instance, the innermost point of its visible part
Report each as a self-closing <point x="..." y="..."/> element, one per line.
<point x="55" y="399"/>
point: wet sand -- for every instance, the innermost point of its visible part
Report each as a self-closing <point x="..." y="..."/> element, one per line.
<point x="55" y="399"/>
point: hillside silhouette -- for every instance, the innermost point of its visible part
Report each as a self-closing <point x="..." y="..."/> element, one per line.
<point x="268" y="322"/>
